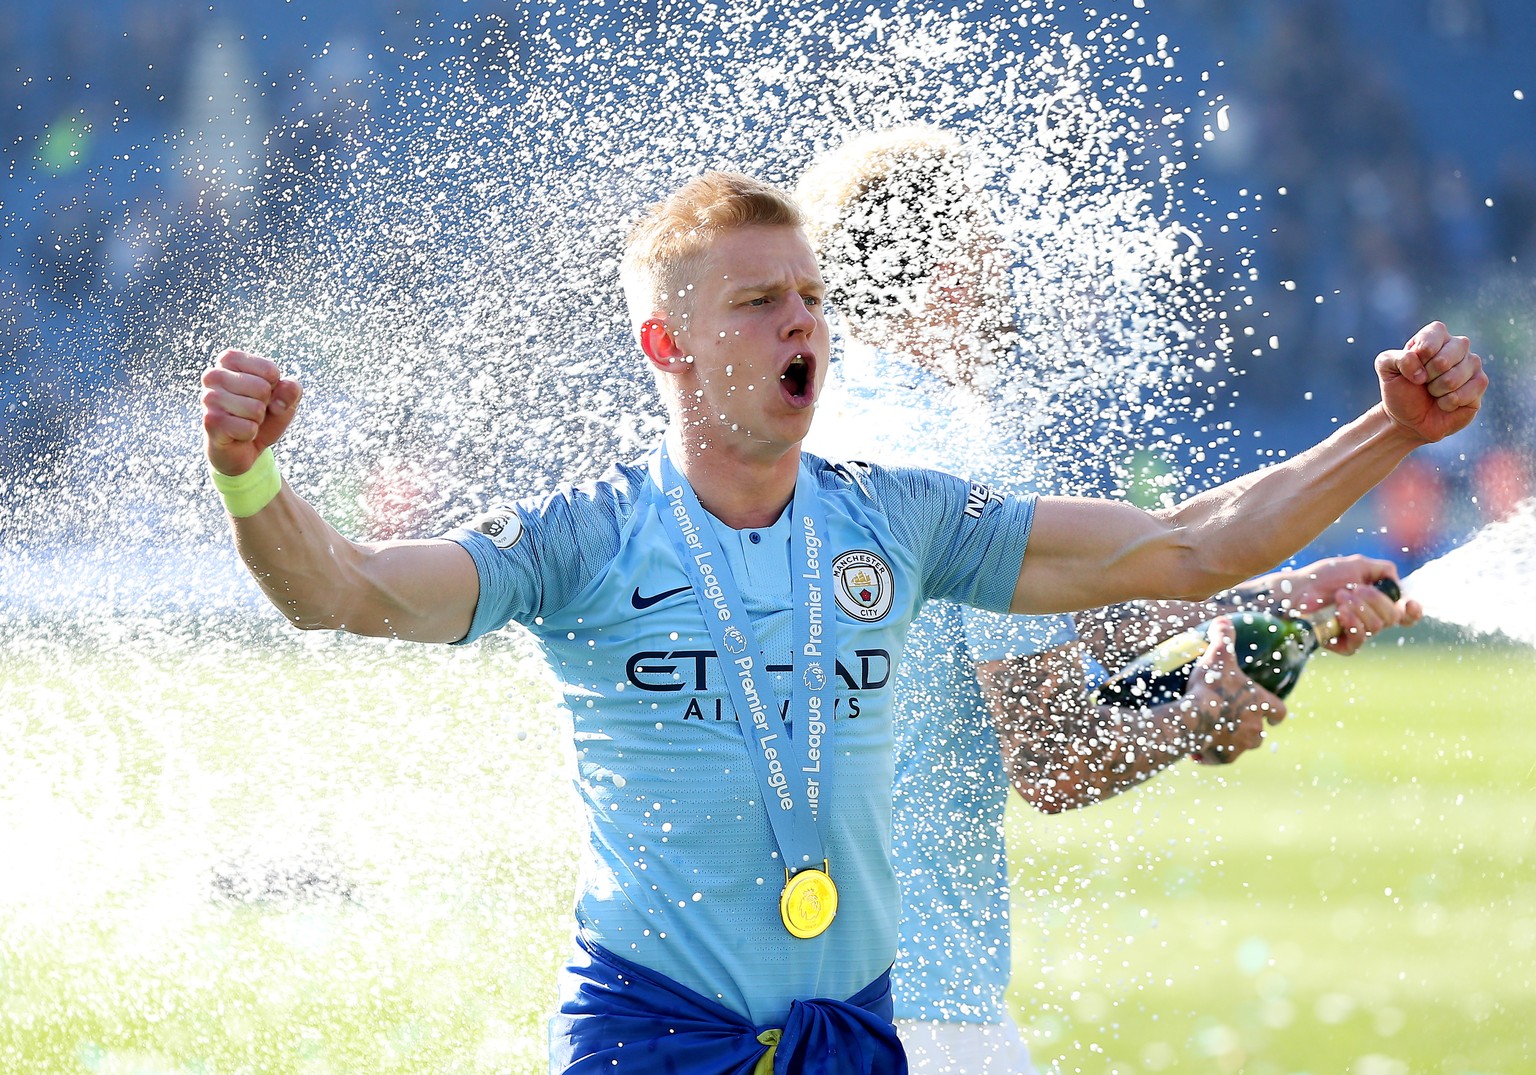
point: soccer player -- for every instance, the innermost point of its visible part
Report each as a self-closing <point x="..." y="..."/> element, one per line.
<point x="904" y="242"/>
<point x="724" y="616"/>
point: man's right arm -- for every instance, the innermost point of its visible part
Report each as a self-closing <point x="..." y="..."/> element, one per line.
<point x="421" y="591"/>
<point x="1062" y="752"/>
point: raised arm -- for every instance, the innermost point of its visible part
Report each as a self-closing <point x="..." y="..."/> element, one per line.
<point x="1087" y="553"/>
<point x="422" y="591"/>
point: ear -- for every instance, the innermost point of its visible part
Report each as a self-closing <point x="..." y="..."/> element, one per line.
<point x="660" y="346"/>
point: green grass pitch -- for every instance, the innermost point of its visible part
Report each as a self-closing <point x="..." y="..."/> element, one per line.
<point x="317" y="855"/>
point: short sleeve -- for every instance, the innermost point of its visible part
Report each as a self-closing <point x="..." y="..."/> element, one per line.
<point x="534" y="555"/>
<point x="971" y="539"/>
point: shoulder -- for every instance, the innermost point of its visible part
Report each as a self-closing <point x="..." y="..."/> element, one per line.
<point x="879" y="483"/>
<point x="616" y="494"/>
<point x="853" y="476"/>
<point x="914" y="504"/>
<point x="585" y="508"/>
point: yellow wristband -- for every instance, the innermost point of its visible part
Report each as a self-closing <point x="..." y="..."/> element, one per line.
<point x="246" y="494"/>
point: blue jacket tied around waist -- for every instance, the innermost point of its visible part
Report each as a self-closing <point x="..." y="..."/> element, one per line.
<point x="616" y="1016"/>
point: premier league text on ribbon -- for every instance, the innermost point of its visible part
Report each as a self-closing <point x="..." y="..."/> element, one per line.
<point x="756" y="710"/>
<point x="815" y="724"/>
<point x="702" y="556"/>
<point x="776" y="778"/>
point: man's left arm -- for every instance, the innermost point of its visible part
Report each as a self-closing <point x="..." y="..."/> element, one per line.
<point x="1085" y="553"/>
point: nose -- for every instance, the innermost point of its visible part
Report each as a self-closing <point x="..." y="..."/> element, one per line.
<point x="801" y="320"/>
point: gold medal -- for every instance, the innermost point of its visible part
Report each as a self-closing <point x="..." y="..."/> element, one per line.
<point x="809" y="901"/>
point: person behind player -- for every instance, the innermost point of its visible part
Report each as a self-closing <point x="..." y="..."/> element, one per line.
<point x="909" y="254"/>
<point x="723" y="617"/>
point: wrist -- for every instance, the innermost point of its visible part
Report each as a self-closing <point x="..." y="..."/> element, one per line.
<point x="1387" y="429"/>
<point x="1194" y="725"/>
<point x="246" y="494"/>
<point x="1256" y="595"/>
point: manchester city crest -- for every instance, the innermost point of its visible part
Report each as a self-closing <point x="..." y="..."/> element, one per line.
<point x="863" y="585"/>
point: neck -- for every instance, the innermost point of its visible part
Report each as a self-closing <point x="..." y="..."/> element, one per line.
<point x="743" y="489"/>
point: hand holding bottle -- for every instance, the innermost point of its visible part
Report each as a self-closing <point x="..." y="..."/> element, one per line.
<point x="1348" y="583"/>
<point x="1272" y="649"/>
<point x="1230" y="710"/>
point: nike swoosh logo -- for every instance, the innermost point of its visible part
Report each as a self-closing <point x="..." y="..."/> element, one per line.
<point x="640" y="601"/>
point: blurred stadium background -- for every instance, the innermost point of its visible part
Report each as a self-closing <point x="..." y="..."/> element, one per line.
<point x="1391" y="145"/>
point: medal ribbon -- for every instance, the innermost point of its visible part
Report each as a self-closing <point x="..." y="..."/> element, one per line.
<point x="792" y="799"/>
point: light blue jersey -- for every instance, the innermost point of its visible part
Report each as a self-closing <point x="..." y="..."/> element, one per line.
<point x="683" y="874"/>
<point x="950" y="787"/>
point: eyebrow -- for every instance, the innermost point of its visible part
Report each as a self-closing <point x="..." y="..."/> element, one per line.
<point x="778" y="284"/>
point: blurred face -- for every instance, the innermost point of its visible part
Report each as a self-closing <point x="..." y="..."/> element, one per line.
<point x="755" y="340"/>
<point x="924" y="271"/>
<point x="966" y="308"/>
<point x="969" y="279"/>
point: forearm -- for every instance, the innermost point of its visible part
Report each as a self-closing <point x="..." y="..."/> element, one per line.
<point x="302" y="563"/>
<point x="1117" y="634"/>
<point x="1251" y="523"/>
<point x="1059" y="751"/>
<point x="421" y="591"/>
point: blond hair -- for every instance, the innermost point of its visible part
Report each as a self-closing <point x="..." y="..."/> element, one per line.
<point x="664" y="251"/>
<point x="882" y="212"/>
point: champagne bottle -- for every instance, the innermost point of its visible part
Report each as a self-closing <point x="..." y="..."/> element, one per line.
<point x="1271" y="649"/>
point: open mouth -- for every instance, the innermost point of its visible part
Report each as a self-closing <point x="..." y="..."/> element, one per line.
<point x="796" y="378"/>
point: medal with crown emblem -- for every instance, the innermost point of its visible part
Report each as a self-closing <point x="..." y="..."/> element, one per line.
<point x="809" y="901"/>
